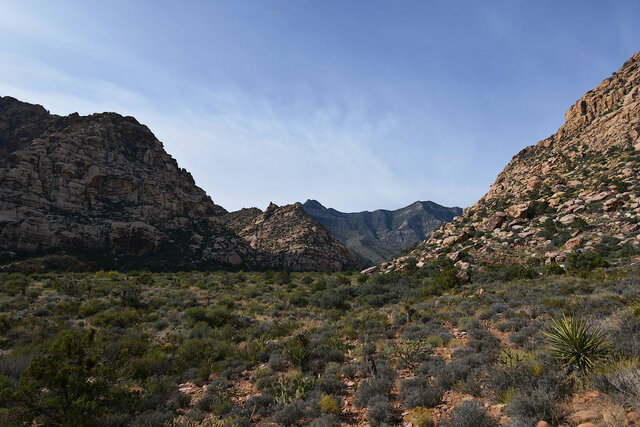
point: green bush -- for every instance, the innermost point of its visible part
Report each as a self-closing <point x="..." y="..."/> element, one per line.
<point x="580" y="263"/>
<point x="116" y="316"/>
<point x="553" y="269"/>
<point x="71" y="384"/>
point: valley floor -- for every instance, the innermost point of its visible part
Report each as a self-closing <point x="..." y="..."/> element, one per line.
<point x="415" y="348"/>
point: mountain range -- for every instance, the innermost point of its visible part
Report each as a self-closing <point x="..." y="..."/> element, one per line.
<point x="377" y="236"/>
<point x="101" y="191"/>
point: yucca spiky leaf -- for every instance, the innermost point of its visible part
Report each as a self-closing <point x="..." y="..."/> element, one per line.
<point x="574" y="342"/>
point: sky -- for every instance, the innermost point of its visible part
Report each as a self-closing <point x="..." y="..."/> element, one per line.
<point x="360" y="105"/>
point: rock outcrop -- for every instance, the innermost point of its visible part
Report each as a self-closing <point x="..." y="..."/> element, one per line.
<point x="380" y="235"/>
<point x="582" y="180"/>
<point x="101" y="188"/>
<point x="290" y="238"/>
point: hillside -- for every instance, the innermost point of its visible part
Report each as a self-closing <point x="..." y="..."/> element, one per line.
<point x="573" y="197"/>
<point x="291" y="238"/>
<point x="100" y="191"/>
<point x="377" y="236"/>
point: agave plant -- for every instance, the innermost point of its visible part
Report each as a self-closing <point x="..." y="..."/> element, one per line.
<point x="575" y="342"/>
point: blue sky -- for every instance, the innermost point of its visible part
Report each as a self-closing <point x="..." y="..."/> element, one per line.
<point x="358" y="104"/>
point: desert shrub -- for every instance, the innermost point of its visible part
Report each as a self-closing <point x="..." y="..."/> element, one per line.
<point x="291" y="413"/>
<point x="116" y="317"/>
<point x="620" y="377"/>
<point x="529" y="406"/>
<point x="379" y="411"/>
<point x="410" y="353"/>
<point x="152" y="418"/>
<point x="329" y="405"/>
<point x="330" y="300"/>
<point x="434" y="341"/>
<point x="575" y="342"/>
<point x="350" y="370"/>
<point x="519" y="338"/>
<point x="375" y="387"/>
<point x="448" y="279"/>
<point x="130" y="294"/>
<point x="420" y="391"/>
<point x="299" y="299"/>
<point x="277" y="362"/>
<point x="182" y="400"/>
<point x="553" y="269"/>
<point x="93" y="306"/>
<point x="66" y="307"/>
<point x="505" y="273"/>
<point x="209" y="350"/>
<point x="156" y="391"/>
<point x="216" y="316"/>
<point x="259" y="404"/>
<point x="420" y="417"/>
<point x="195" y="417"/>
<point x="325" y="420"/>
<point x="582" y="263"/>
<point x="154" y="361"/>
<point x="469" y="413"/>
<point x="626" y="338"/>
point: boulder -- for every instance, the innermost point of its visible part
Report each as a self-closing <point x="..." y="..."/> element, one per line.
<point x="567" y="219"/>
<point x="449" y="240"/>
<point x="574" y="242"/>
<point x="533" y="182"/>
<point x="496" y="220"/>
<point x="598" y="197"/>
<point x="520" y="210"/>
<point x="463" y="237"/>
<point x="611" y="205"/>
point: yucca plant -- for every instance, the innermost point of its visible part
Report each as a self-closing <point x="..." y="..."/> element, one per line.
<point x="575" y="342"/>
<point x="299" y="350"/>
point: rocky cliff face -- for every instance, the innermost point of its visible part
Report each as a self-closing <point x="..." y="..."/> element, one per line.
<point x="380" y="235"/>
<point x="101" y="188"/>
<point x="290" y="238"/>
<point x="570" y="192"/>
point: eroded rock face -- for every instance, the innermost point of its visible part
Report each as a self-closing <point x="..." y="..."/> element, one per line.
<point x="103" y="183"/>
<point x="290" y="239"/>
<point x="579" y="186"/>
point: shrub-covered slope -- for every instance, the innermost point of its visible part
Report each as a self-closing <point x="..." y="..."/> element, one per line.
<point x="576" y="191"/>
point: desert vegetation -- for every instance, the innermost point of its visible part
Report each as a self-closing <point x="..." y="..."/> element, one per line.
<point x="514" y="346"/>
